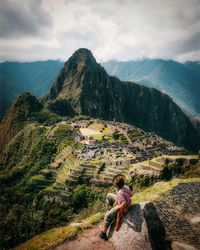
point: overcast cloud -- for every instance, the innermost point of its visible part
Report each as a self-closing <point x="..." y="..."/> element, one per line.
<point x="112" y="29"/>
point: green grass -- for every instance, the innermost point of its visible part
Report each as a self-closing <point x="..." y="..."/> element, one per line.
<point x="181" y="156"/>
<point x="103" y="131"/>
<point x="53" y="237"/>
<point x="153" y="193"/>
<point x="97" y="136"/>
<point x="96" y="126"/>
<point x="40" y="178"/>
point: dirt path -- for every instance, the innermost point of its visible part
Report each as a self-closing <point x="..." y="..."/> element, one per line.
<point x="89" y="240"/>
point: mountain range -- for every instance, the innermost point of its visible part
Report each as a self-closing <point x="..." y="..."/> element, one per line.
<point x="180" y="81"/>
<point x="16" y="78"/>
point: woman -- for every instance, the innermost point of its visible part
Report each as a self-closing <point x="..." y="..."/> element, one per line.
<point x="121" y="202"/>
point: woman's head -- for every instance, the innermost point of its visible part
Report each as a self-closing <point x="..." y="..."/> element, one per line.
<point x="119" y="181"/>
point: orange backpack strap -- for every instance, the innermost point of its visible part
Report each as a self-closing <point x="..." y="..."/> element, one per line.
<point x="121" y="212"/>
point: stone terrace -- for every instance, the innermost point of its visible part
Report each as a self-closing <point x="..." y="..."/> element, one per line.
<point x="179" y="210"/>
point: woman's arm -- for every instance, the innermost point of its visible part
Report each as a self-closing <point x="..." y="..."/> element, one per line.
<point x="122" y="205"/>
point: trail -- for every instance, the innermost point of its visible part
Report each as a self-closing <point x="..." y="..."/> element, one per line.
<point x="88" y="240"/>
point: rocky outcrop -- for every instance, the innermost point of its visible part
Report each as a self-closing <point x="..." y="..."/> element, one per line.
<point x="61" y="107"/>
<point x="181" y="246"/>
<point x="140" y="228"/>
<point x="90" y="91"/>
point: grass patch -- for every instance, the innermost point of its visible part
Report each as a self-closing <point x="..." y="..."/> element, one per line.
<point x="51" y="238"/>
<point x="97" y="136"/>
<point x="180" y="156"/>
<point x="153" y="193"/>
<point x="96" y="126"/>
<point x="94" y="219"/>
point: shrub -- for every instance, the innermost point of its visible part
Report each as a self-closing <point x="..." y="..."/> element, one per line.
<point x="46" y="118"/>
<point x="79" y="197"/>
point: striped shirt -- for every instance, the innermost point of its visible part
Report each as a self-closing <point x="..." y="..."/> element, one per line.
<point x="124" y="194"/>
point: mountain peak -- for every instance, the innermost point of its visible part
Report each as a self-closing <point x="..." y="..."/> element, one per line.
<point x="16" y="116"/>
<point x="82" y="55"/>
<point x="27" y="102"/>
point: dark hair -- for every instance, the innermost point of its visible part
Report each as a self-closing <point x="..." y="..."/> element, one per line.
<point x="120" y="183"/>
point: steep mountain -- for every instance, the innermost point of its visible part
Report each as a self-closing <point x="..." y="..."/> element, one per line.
<point x="180" y="81"/>
<point x="91" y="91"/>
<point x="21" y="110"/>
<point x="16" y="78"/>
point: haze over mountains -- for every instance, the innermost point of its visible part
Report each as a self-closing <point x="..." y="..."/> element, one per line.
<point x="180" y="81"/>
<point x="15" y="78"/>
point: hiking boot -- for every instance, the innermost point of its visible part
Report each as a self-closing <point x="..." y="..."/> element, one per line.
<point x="103" y="236"/>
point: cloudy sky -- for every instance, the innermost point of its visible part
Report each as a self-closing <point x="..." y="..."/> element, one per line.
<point x="112" y="29"/>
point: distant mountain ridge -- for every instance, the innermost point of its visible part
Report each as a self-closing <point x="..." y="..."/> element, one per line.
<point x="16" y="78"/>
<point x="37" y="77"/>
<point x="180" y="81"/>
<point x="91" y="91"/>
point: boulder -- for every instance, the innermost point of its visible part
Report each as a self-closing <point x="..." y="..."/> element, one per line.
<point x="141" y="228"/>
<point x="180" y="246"/>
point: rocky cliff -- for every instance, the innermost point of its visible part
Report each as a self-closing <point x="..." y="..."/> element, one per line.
<point x="179" y="80"/>
<point x="91" y="91"/>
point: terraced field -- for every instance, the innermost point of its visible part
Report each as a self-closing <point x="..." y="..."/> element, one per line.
<point x="95" y="162"/>
<point x="179" y="210"/>
<point x="154" y="166"/>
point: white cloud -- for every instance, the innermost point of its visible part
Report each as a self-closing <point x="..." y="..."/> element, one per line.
<point x="23" y="19"/>
<point x="112" y="29"/>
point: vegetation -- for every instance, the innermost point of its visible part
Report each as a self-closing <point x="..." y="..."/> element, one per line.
<point x="61" y="107"/>
<point x="140" y="182"/>
<point x="153" y="193"/>
<point x="176" y="169"/>
<point x="31" y="152"/>
<point x="56" y="236"/>
<point x="120" y="137"/>
<point x="23" y="211"/>
<point x="80" y="117"/>
<point x="46" y="118"/>
<point x="182" y="171"/>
